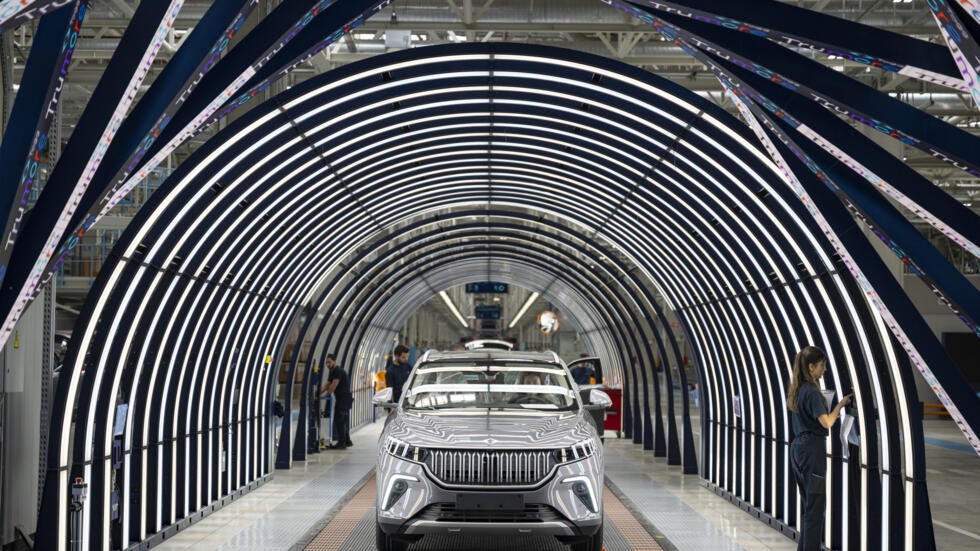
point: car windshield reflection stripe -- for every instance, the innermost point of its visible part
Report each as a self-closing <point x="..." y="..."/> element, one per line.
<point x="483" y="387"/>
<point x="494" y="368"/>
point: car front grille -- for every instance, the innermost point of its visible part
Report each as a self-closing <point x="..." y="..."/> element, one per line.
<point x="490" y="467"/>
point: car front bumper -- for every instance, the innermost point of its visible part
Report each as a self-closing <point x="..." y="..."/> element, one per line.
<point x="551" y="509"/>
<point x="418" y="527"/>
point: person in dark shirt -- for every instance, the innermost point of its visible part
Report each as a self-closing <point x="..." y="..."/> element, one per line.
<point x="810" y="422"/>
<point x="398" y="370"/>
<point x="338" y="386"/>
<point x="583" y="374"/>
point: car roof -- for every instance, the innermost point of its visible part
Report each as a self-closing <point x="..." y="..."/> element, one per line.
<point x="490" y="354"/>
<point x="489" y="343"/>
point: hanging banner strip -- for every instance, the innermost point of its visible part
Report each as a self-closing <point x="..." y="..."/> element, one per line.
<point x="126" y="181"/>
<point x="14" y="13"/>
<point x="958" y="235"/>
<point x="775" y="99"/>
<point x="205" y="65"/>
<point x="10" y="8"/>
<point x="27" y="290"/>
<point x="753" y="115"/>
<point x="830" y="89"/>
<point x="38" y="109"/>
<point x="964" y="48"/>
<point x="302" y="58"/>
<point x="43" y="271"/>
<point x="47" y="263"/>
<point x="971" y="7"/>
<point x="948" y="285"/>
<point x="725" y="72"/>
<point x="210" y="115"/>
<point x="912" y="249"/>
<point x="965" y="235"/>
<point x="802" y="28"/>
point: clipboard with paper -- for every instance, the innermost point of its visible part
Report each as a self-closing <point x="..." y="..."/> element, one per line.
<point x="848" y="433"/>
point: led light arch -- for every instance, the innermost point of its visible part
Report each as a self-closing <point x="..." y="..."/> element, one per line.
<point x="386" y="286"/>
<point x="581" y="151"/>
<point x="353" y="326"/>
<point x="478" y="231"/>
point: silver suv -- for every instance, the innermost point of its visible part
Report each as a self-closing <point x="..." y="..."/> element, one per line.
<point x="490" y="442"/>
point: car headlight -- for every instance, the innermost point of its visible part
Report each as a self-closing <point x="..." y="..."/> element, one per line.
<point x="581" y="450"/>
<point x="584" y="491"/>
<point x="397" y="486"/>
<point x="405" y="451"/>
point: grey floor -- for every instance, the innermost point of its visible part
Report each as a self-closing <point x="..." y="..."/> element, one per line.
<point x="953" y="477"/>
<point x="288" y="510"/>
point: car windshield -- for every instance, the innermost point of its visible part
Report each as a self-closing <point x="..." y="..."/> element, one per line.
<point x="500" y="385"/>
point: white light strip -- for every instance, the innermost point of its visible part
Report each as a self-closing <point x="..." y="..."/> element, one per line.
<point x="452" y="308"/>
<point x="520" y="313"/>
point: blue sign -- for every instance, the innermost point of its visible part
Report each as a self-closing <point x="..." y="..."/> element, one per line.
<point x="487" y="312"/>
<point x="486" y="287"/>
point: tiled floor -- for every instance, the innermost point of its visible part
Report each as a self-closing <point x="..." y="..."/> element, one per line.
<point x="288" y="511"/>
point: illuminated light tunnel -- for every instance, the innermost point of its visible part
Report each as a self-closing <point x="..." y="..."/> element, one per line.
<point x="363" y="192"/>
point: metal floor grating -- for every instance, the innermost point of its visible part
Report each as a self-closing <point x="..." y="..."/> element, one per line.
<point x="352" y="529"/>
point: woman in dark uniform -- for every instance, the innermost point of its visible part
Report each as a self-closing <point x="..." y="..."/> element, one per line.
<point x="808" y="458"/>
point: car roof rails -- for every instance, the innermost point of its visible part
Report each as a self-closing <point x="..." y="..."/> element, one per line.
<point x="489" y="343"/>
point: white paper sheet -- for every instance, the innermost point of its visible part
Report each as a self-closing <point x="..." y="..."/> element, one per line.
<point x="828" y="397"/>
<point x="848" y="433"/>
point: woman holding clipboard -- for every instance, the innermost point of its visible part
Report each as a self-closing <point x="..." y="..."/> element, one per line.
<point x="810" y="422"/>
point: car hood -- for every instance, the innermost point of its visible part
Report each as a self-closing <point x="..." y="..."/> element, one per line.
<point x="482" y="428"/>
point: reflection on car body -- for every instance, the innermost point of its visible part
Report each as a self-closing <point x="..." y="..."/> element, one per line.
<point x="490" y="442"/>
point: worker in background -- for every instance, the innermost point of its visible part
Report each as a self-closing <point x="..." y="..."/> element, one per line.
<point x="398" y="370"/>
<point x="584" y="373"/>
<point x="338" y="386"/>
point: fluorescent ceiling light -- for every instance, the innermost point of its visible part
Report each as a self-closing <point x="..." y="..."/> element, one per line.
<point x="524" y="308"/>
<point x="452" y="307"/>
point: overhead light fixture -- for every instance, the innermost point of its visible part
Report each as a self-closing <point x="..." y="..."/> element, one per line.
<point x="517" y="318"/>
<point x="452" y="307"/>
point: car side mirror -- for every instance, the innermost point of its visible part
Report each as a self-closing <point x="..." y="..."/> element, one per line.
<point x="598" y="400"/>
<point x="384" y="398"/>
